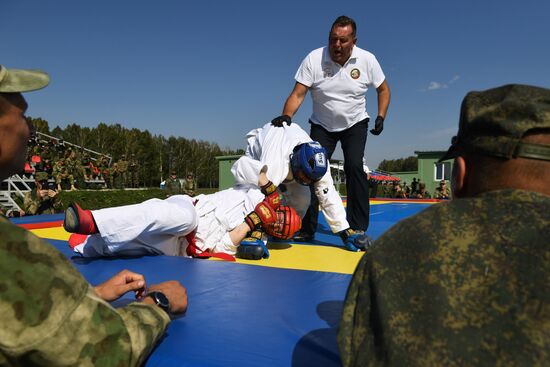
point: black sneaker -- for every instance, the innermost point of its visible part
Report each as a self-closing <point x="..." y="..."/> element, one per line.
<point x="303" y="237"/>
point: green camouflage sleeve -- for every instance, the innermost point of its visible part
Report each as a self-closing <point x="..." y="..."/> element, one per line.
<point x="57" y="204"/>
<point x="51" y="316"/>
<point x="448" y="288"/>
<point x="353" y="331"/>
<point x="30" y="206"/>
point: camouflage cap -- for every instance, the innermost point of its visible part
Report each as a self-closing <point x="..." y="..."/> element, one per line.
<point x="16" y="80"/>
<point x="493" y="122"/>
<point x="41" y="176"/>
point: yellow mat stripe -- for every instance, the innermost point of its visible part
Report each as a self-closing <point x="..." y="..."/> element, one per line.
<point x="285" y="256"/>
<point x="54" y="233"/>
<point x="309" y="257"/>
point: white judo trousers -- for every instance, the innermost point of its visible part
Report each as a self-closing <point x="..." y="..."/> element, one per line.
<point x="270" y="147"/>
<point x="156" y="226"/>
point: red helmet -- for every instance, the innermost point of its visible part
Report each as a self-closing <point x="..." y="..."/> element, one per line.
<point x="287" y="223"/>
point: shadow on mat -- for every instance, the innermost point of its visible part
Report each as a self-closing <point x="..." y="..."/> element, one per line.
<point x="318" y="347"/>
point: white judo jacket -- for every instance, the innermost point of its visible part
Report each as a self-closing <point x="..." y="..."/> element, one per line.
<point x="269" y="149"/>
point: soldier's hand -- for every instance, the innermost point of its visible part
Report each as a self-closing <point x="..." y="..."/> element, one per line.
<point x="120" y="284"/>
<point x="175" y="292"/>
<point x="43" y="193"/>
<point x="52" y="193"/>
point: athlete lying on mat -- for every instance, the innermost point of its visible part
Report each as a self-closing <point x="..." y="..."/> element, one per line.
<point x="207" y="225"/>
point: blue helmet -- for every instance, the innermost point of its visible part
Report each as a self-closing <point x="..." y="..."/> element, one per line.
<point x="308" y="162"/>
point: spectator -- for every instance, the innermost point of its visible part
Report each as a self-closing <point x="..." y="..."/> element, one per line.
<point x="116" y="176"/>
<point x="442" y="192"/>
<point x="133" y="171"/>
<point x="49" y="314"/>
<point x="398" y="191"/>
<point x="172" y="184"/>
<point x="63" y="175"/>
<point x="44" y="198"/>
<point x="466" y="282"/>
<point x="122" y="165"/>
<point x="190" y="186"/>
<point x="421" y="193"/>
<point x="414" y="186"/>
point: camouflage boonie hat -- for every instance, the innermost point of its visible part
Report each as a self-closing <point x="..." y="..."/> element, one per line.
<point x="493" y="122"/>
<point x="41" y="176"/>
<point x="17" y="80"/>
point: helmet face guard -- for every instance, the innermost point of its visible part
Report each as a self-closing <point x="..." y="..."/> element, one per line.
<point x="287" y="224"/>
<point x="308" y="163"/>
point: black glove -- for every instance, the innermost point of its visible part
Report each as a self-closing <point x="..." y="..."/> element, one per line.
<point x="278" y="121"/>
<point x="378" y="126"/>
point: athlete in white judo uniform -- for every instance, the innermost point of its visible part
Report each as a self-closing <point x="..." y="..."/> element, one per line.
<point x="276" y="150"/>
<point x="176" y="226"/>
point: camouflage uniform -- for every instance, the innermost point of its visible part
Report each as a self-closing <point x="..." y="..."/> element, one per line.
<point x="123" y="171"/>
<point x="33" y="204"/>
<point x="190" y="186"/>
<point x="464" y="290"/>
<point x="105" y="171"/>
<point x="85" y="166"/>
<point x="74" y="167"/>
<point x="172" y="185"/>
<point x="61" y="174"/>
<point x="133" y="168"/>
<point x="442" y="193"/>
<point x="465" y="282"/>
<point x="116" y="177"/>
<point x="51" y="316"/>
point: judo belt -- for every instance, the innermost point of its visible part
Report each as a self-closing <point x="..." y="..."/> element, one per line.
<point x="193" y="250"/>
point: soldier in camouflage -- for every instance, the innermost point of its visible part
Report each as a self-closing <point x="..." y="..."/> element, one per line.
<point x="172" y="184"/>
<point x="421" y="193"/>
<point x="105" y="171"/>
<point x="190" y="186"/>
<point x="63" y="177"/>
<point x="466" y="282"/>
<point x="116" y="176"/>
<point x="85" y="166"/>
<point x="49" y="314"/>
<point x="42" y="199"/>
<point x="122" y="166"/>
<point x="442" y="192"/>
<point x="133" y="171"/>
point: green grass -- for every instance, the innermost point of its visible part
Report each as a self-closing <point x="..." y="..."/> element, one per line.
<point x="99" y="199"/>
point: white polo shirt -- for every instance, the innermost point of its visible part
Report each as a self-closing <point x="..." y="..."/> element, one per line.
<point x="339" y="92"/>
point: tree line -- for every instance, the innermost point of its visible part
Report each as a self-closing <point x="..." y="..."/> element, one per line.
<point x="156" y="155"/>
<point x="399" y="165"/>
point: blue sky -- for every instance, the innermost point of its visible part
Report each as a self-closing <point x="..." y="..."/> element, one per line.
<point x="213" y="70"/>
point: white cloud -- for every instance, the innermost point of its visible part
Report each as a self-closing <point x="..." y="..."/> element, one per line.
<point x="439" y="85"/>
<point x="436" y="86"/>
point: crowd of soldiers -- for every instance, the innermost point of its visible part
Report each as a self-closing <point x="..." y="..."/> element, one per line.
<point x="74" y="168"/>
<point x="401" y="190"/>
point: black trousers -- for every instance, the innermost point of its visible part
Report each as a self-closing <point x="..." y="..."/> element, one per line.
<point x="353" y="141"/>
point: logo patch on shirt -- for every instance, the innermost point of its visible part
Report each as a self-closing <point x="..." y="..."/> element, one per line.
<point x="355" y="73"/>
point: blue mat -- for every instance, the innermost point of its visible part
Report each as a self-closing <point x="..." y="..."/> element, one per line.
<point x="243" y="315"/>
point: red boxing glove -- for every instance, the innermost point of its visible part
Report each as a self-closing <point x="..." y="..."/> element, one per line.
<point x="272" y="196"/>
<point x="262" y="215"/>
